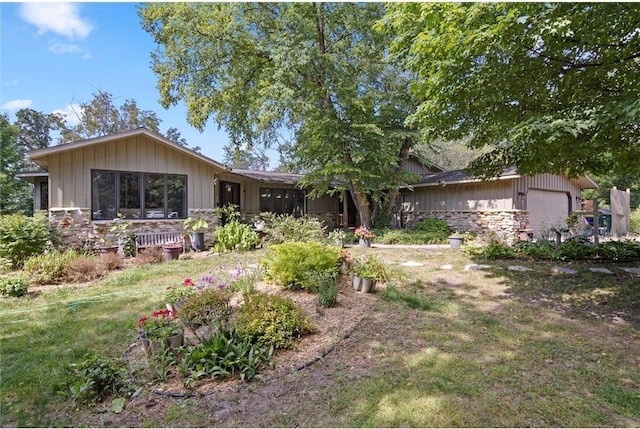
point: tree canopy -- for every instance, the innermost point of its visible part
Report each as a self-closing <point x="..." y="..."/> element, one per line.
<point x="317" y="70"/>
<point x="549" y="87"/>
<point x="15" y="194"/>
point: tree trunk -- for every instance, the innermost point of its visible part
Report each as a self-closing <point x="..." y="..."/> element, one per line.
<point x="393" y="193"/>
<point x="362" y="205"/>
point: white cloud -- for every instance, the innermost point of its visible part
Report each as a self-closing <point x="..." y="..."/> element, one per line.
<point x="13" y="82"/>
<point x="63" y="48"/>
<point x="59" y="18"/>
<point x="70" y="112"/>
<point x="17" y="104"/>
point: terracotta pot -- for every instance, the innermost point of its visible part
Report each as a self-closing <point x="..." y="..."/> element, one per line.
<point x="171" y="252"/>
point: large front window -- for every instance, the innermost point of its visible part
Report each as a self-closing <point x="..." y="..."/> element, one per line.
<point x="282" y="201"/>
<point x="138" y="195"/>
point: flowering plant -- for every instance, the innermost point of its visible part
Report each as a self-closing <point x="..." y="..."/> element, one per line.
<point x="370" y="267"/>
<point x="180" y="293"/>
<point x="162" y="325"/>
<point x="363" y="232"/>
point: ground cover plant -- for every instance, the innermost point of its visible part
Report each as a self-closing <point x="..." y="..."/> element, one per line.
<point x="428" y="231"/>
<point x="444" y="347"/>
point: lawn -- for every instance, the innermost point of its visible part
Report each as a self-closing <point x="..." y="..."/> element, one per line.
<point x="437" y="348"/>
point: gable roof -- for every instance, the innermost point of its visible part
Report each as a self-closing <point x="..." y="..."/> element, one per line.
<point x="38" y="155"/>
<point x="455" y="177"/>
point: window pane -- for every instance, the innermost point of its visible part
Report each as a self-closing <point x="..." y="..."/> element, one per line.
<point x="177" y="196"/>
<point x="265" y="199"/>
<point x="299" y="208"/>
<point x="289" y="201"/>
<point x="154" y="196"/>
<point x="103" y="194"/>
<point x="130" y="195"/>
<point x="277" y="201"/>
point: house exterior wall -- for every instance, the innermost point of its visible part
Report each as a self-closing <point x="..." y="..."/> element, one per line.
<point x="414" y="166"/>
<point x="499" y="206"/>
<point x="324" y="208"/>
<point x="496" y="195"/>
<point x="70" y="172"/>
<point x="77" y="230"/>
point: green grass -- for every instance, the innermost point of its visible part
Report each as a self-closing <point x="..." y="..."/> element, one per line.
<point x="39" y="335"/>
<point x="491" y="348"/>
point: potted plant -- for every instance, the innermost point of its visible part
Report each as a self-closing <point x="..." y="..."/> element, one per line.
<point x="456" y="239"/>
<point x="364" y="235"/>
<point x="105" y="247"/>
<point x="176" y="296"/>
<point x="161" y="329"/>
<point x="367" y="270"/>
<point x="196" y="228"/>
<point x="171" y="251"/>
<point x="345" y="261"/>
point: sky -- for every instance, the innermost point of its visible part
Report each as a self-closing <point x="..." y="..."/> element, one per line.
<point x="55" y="55"/>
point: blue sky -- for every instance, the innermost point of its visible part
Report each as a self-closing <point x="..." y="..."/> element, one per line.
<point x="54" y="55"/>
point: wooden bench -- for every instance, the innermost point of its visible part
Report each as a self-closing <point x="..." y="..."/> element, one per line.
<point x="157" y="239"/>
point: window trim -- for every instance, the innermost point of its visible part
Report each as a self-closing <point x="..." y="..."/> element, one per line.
<point x="142" y="177"/>
<point x="296" y="194"/>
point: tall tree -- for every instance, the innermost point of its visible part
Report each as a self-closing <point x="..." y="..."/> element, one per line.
<point x="549" y="87"/>
<point x="315" y="69"/>
<point x="15" y="194"/>
<point x="101" y="117"/>
<point x="36" y="128"/>
<point x="253" y="159"/>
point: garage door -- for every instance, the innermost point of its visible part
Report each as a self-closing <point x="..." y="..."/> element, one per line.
<point x="546" y="209"/>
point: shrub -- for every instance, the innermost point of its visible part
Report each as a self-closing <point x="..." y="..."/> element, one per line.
<point x="574" y="250"/>
<point x="49" y="267"/>
<point x="225" y="354"/>
<point x="618" y="250"/>
<point x="437" y="229"/>
<point x="22" y="237"/>
<point x="634" y="221"/>
<point x="497" y="251"/>
<point x="14" y="284"/>
<point x="209" y="307"/>
<point x="235" y="236"/>
<point x="83" y="269"/>
<point x="370" y="267"/>
<point x="542" y="249"/>
<point x="150" y="255"/>
<point x="287" y="228"/>
<point x="325" y="285"/>
<point x="110" y="261"/>
<point x="272" y="320"/>
<point x="96" y="377"/>
<point x="287" y="264"/>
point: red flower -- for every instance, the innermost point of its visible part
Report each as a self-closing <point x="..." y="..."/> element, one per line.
<point x="188" y="282"/>
<point x="169" y="288"/>
<point x="141" y="321"/>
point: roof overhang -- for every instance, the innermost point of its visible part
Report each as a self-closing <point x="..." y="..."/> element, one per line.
<point x="33" y="176"/>
<point x="39" y="156"/>
<point x="269" y="176"/>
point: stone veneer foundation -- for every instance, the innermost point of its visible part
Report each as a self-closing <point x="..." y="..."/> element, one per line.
<point x="505" y="224"/>
<point x="78" y="230"/>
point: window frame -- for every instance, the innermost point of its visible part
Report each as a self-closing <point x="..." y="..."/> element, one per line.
<point x="142" y="181"/>
<point x="282" y="192"/>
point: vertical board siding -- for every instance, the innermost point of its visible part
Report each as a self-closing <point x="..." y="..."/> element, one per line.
<point x="477" y="196"/>
<point x="70" y="172"/>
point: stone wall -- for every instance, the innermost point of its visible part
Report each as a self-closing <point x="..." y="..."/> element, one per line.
<point x="505" y="224"/>
<point x="78" y="230"/>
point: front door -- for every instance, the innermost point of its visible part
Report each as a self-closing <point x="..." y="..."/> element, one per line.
<point x="229" y="194"/>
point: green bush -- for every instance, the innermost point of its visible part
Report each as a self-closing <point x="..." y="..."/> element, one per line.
<point x="271" y="320"/>
<point x="370" y="267"/>
<point x="95" y="378"/>
<point x="634" y="221"/>
<point x="224" y="355"/>
<point x="428" y="231"/>
<point x="49" y="267"/>
<point x="14" y="284"/>
<point x="22" y="237"/>
<point x="574" y="250"/>
<point x="287" y="264"/>
<point x="542" y="249"/>
<point x="235" y="236"/>
<point x="325" y="285"/>
<point x="210" y="307"/>
<point x="287" y="228"/>
<point x="618" y="250"/>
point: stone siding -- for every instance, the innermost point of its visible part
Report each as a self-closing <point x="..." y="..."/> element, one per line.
<point x="77" y="230"/>
<point x="505" y="224"/>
